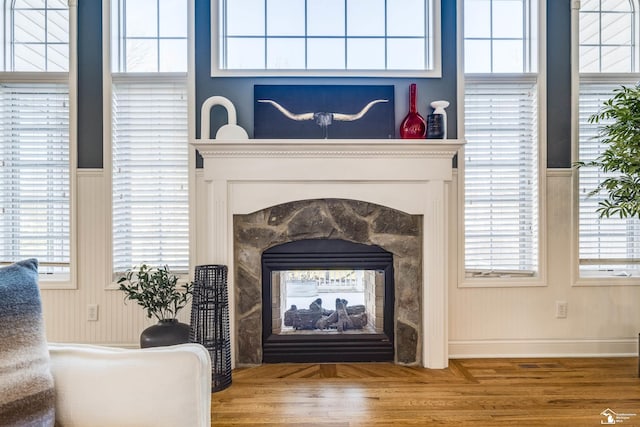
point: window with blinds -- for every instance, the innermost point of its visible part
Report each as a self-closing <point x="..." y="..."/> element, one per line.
<point x="150" y="199"/>
<point x="607" y="247"/>
<point x="35" y="190"/>
<point x="501" y="160"/>
<point x="501" y="178"/>
<point x="149" y="141"/>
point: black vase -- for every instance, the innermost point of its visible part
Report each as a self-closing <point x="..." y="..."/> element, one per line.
<point x="435" y="126"/>
<point x="165" y="332"/>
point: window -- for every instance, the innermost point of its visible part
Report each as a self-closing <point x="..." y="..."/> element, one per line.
<point x="149" y="134"/>
<point x="608" y="58"/>
<point x="501" y="159"/>
<point x="35" y="148"/>
<point x="607" y="37"/>
<point x="325" y="36"/>
<point x="149" y="36"/>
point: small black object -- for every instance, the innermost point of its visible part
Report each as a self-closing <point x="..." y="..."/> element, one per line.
<point x="435" y="126"/>
<point x="210" y="321"/>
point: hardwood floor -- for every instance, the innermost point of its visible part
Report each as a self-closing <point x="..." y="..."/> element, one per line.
<point x="471" y="392"/>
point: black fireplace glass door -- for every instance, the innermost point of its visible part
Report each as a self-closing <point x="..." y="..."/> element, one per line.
<point x="327" y="300"/>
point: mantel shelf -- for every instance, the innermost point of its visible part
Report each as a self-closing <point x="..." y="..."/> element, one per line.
<point x="366" y="147"/>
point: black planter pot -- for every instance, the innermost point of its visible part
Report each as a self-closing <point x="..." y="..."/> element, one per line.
<point x="165" y="332"/>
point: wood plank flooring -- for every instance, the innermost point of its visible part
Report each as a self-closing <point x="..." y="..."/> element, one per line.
<point x="471" y="392"/>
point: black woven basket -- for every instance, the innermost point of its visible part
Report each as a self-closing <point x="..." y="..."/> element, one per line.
<point x="210" y="321"/>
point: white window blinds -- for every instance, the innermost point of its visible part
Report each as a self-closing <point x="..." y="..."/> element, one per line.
<point x="501" y="177"/>
<point x="34" y="174"/>
<point x="608" y="246"/>
<point x="150" y="164"/>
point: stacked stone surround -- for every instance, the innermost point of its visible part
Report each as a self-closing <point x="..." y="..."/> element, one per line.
<point x="360" y="222"/>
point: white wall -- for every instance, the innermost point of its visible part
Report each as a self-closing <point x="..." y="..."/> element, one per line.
<point x="488" y="322"/>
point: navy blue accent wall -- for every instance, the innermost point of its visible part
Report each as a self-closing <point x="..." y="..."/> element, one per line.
<point x="240" y="90"/>
<point x="90" y="84"/>
<point x="559" y="83"/>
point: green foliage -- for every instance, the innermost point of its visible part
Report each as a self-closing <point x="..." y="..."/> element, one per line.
<point x="620" y="132"/>
<point x="156" y="290"/>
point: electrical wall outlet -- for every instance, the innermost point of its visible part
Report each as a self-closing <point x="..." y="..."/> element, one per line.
<point x="561" y="309"/>
<point x="92" y="312"/>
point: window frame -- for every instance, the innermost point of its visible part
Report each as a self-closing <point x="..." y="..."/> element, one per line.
<point x="579" y="276"/>
<point x="108" y="77"/>
<point x="504" y="278"/>
<point x="218" y="71"/>
<point x="70" y="78"/>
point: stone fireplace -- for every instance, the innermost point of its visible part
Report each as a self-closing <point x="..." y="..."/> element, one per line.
<point x="262" y="193"/>
<point x="325" y="221"/>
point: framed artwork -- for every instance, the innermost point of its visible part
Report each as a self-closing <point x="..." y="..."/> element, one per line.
<point x="319" y="111"/>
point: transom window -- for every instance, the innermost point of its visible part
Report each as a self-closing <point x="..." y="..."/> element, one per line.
<point x="500" y="36"/>
<point x="39" y="36"/>
<point x="607" y="36"/>
<point x="326" y="35"/>
<point x="149" y="36"/>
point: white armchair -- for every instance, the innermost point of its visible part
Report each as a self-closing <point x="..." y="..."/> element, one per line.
<point x="155" y="387"/>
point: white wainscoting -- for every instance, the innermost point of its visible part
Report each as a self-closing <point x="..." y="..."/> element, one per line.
<point x="483" y="322"/>
<point x="521" y="321"/>
<point x="65" y="311"/>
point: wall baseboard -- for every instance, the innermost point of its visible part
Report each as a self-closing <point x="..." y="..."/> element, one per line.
<point x="618" y="347"/>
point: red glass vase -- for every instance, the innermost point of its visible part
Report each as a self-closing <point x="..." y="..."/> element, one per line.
<point x="413" y="126"/>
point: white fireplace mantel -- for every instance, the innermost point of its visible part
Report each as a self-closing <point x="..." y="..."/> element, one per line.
<point x="407" y="175"/>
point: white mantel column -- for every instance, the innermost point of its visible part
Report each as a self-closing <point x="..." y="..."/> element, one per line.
<point x="435" y="278"/>
<point x="220" y="235"/>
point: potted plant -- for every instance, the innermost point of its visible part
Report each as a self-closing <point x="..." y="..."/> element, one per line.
<point x="620" y="132"/>
<point x="157" y="291"/>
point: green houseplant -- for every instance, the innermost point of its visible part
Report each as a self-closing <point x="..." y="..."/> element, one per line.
<point x="620" y="132"/>
<point x="156" y="290"/>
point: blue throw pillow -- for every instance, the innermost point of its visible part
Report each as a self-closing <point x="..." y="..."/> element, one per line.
<point x="26" y="384"/>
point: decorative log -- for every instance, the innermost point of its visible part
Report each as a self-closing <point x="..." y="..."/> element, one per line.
<point x="303" y="318"/>
<point x="344" y="321"/>
<point x="359" y="321"/>
<point x="288" y="315"/>
<point x="355" y="309"/>
<point x="316" y="317"/>
<point x="326" y="321"/>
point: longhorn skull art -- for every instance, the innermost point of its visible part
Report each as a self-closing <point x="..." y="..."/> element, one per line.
<point x="323" y="119"/>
